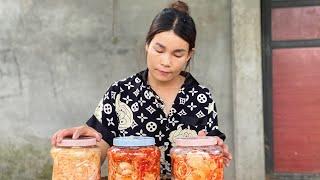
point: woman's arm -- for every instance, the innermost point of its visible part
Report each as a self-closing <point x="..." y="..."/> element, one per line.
<point x="211" y="129"/>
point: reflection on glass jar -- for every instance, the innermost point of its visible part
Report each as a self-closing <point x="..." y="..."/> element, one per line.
<point x="134" y="158"/>
<point x="196" y="158"/>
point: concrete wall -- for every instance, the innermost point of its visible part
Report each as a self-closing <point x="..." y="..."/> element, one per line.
<point x="58" y="57"/>
<point x="247" y="90"/>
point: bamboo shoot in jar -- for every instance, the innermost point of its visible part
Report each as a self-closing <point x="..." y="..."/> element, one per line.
<point x="197" y="158"/>
<point x="76" y="159"/>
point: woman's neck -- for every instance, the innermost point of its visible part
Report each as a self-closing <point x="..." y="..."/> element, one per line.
<point x="167" y="90"/>
<point x="175" y="83"/>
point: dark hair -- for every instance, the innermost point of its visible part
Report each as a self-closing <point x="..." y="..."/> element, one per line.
<point x="175" y="18"/>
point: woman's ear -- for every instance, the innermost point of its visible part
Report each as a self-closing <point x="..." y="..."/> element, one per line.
<point x="191" y="53"/>
<point x="146" y="47"/>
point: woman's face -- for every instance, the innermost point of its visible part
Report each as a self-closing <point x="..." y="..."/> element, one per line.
<point x="167" y="56"/>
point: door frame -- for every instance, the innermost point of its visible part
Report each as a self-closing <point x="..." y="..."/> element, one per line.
<point x="267" y="46"/>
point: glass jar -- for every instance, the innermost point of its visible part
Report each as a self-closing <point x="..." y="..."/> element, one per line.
<point x="197" y="158"/>
<point x="134" y="158"/>
<point x="76" y="159"/>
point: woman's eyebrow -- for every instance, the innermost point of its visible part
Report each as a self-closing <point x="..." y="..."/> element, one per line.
<point x="163" y="47"/>
<point x="179" y="50"/>
<point x="160" y="45"/>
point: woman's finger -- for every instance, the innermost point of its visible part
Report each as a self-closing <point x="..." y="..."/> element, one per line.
<point x="225" y="148"/>
<point x="76" y="133"/>
<point x="54" y="138"/>
<point x="60" y="136"/>
<point x="227" y="155"/>
<point x="93" y="132"/>
<point x="202" y="133"/>
<point x="64" y="133"/>
<point x="226" y="161"/>
<point x="87" y="131"/>
<point x="219" y="141"/>
<point x="226" y="152"/>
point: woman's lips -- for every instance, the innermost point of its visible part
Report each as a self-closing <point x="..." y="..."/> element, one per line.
<point x="163" y="72"/>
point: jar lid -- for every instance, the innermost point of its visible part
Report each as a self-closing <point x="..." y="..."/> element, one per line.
<point x="133" y="141"/>
<point x="82" y="142"/>
<point x="196" y="141"/>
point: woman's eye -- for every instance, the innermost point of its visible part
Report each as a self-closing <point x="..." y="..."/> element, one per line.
<point x="158" y="50"/>
<point x="178" y="56"/>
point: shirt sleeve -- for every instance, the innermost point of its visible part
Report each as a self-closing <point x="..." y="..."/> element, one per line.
<point x="105" y="120"/>
<point x="212" y="122"/>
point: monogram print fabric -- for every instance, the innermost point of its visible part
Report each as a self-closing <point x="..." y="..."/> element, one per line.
<point x="131" y="108"/>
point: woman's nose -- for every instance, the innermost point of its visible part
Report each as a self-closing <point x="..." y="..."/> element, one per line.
<point x="165" y="60"/>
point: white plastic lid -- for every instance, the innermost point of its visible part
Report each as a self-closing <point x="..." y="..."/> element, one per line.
<point x="196" y="141"/>
<point x="82" y="142"/>
<point x="133" y="141"/>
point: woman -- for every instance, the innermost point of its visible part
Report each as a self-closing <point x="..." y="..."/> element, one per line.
<point x="163" y="101"/>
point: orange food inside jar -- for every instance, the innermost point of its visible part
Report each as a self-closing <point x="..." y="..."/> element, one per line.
<point x="134" y="158"/>
<point x="76" y="159"/>
<point x="196" y="159"/>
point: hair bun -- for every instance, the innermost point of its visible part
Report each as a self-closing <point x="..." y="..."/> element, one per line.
<point x="180" y="6"/>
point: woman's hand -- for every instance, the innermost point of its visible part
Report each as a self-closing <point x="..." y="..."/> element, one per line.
<point x="75" y="132"/>
<point x="226" y="154"/>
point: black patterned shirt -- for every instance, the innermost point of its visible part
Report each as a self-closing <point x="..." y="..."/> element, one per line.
<point x="131" y="108"/>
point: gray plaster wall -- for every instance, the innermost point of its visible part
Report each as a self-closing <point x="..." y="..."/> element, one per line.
<point x="58" y="57"/>
<point x="247" y="90"/>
